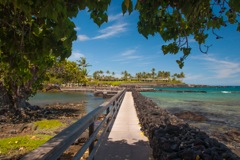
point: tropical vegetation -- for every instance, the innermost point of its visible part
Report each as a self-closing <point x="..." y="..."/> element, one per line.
<point x="152" y="76"/>
<point x="65" y="72"/>
<point x="68" y="73"/>
<point x="35" y="35"/>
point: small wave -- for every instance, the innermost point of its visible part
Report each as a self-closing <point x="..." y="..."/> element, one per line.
<point x="226" y="92"/>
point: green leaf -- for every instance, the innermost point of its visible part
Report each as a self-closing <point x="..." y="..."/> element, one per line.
<point x="124" y="8"/>
<point x="165" y="49"/>
<point x="127" y="6"/>
<point x="105" y="17"/>
<point x="126" y="2"/>
<point x="200" y="37"/>
<point x="138" y="5"/>
<point x="82" y="5"/>
<point x="238" y="28"/>
<point x="130" y="8"/>
<point x="173" y="48"/>
<point x="180" y="63"/>
<point x="186" y="51"/>
<point x="235" y="5"/>
<point x="231" y="17"/>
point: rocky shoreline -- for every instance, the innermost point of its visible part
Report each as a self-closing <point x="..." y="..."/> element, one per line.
<point x="34" y="113"/>
<point x="172" y="138"/>
<point x="12" y="125"/>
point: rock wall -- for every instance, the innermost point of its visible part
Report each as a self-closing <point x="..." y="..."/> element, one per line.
<point x="173" y="139"/>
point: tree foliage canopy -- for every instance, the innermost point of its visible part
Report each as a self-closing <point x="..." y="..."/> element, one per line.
<point x="34" y="33"/>
<point x="177" y="20"/>
<point x="63" y="72"/>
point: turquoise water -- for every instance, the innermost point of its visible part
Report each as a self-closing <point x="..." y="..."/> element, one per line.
<point x="89" y="99"/>
<point x="220" y="105"/>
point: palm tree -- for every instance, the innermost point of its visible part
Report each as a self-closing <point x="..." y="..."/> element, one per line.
<point x="84" y="76"/>
<point x="160" y="74"/>
<point x="167" y="74"/>
<point x="130" y="76"/>
<point x="96" y="75"/>
<point x="149" y="75"/>
<point x="101" y="74"/>
<point x="108" y="77"/>
<point x="175" y="75"/>
<point x="153" y="73"/>
<point x="82" y="63"/>
<point x="139" y="76"/>
<point x="144" y="75"/>
<point x="113" y="73"/>
<point x="125" y="75"/>
<point x="181" y="75"/>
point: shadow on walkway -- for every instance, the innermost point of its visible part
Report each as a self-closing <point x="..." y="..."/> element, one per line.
<point x="123" y="150"/>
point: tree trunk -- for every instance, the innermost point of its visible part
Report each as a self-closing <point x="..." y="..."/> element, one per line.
<point x="4" y="97"/>
<point x="15" y="101"/>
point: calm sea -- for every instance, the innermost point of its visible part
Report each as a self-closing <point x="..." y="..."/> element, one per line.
<point x="220" y="105"/>
<point x="91" y="102"/>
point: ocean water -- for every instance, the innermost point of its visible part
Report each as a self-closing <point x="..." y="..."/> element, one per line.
<point x="221" y="105"/>
<point x="90" y="101"/>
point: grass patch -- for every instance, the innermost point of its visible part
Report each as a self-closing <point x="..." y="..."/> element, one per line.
<point x="21" y="144"/>
<point x="25" y="143"/>
<point x="48" y="124"/>
<point x="113" y="83"/>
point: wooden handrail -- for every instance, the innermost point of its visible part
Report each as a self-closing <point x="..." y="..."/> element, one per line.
<point x="55" y="147"/>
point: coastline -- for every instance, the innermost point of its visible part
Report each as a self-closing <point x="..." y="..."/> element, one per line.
<point x="142" y="88"/>
<point x="231" y="136"/>
<point x="66" y="114"/>
<point x="162" y="127"/>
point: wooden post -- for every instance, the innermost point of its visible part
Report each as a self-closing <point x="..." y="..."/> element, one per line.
<point x="91" y="131"/>
<point x="108" y="120"/>
<point x="54" y="148"/>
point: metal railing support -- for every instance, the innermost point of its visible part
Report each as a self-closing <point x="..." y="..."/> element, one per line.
<point x="91" y="131"/>
<point x="56" y="146"/>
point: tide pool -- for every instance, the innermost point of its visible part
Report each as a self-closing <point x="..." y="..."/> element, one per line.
<point x="220" y="105"/>
<point x="91" y="102"/>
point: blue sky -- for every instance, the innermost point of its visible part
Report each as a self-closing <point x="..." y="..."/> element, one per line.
<point x="117" y="46"/>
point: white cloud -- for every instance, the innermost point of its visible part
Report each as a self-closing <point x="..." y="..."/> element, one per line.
<point x="128" y="52"/>
<point x="115" y="17"/>
<point x="191" y="77"/>
<point x="76" y="56"/>
<point x="111" y="31"/>
<point x="76" y="28"/>
<point x="134" y="57"/>
<point x="144" y="64"/>
<point x="128" y="55"/>
<point x="221" y="68"/>
<point x="83" y="37"/>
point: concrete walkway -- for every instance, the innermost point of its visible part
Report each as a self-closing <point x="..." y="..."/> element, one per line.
<point x="125" y="141"/>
